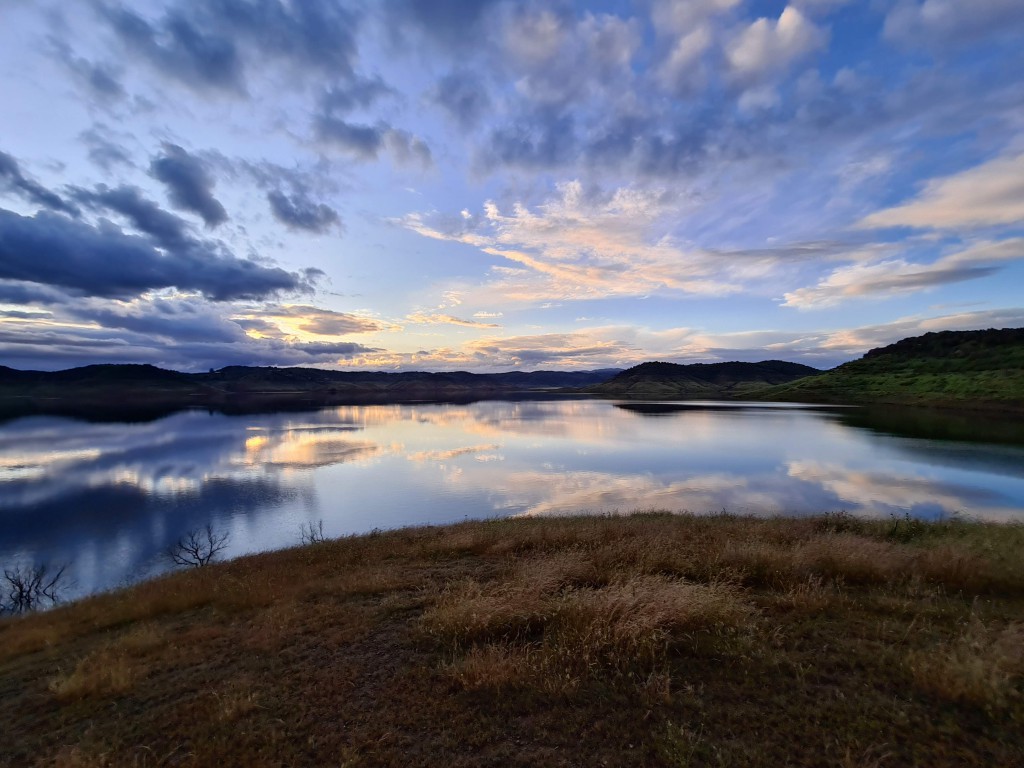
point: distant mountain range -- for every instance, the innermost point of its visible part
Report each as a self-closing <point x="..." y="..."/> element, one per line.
<point x="975" y="369"/>
<point x="671" y="380"/>
<point x="104" y="381"/>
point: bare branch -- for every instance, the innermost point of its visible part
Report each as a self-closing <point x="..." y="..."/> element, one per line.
<point x="312" y="533"/>
<point x="29" y="587"/>
<point x="198" y="547"/>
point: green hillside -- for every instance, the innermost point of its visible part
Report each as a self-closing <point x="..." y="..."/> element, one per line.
<point x="964" y="369"/>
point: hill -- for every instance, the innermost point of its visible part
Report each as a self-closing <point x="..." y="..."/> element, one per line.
<point x="654" y="640"/>
<point x="698" y="380"/>
<point x="963" y="369"/>
<point x="127" y="386"/>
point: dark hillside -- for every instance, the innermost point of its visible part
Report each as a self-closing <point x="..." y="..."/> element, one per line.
<point x="659" y="379"/>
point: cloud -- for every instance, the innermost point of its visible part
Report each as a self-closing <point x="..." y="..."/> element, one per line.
<point x="463" y="97"/>
<point x="101" y="80"/>
<point x="166" y="321"/>
<point x="208" y="46"/>
<point x="144" y="215"/>
<point x="102" y="260"/>
<point x="856" y="341"/>
<point x="561" y="61"/>
<point x="565" y="350"/>
<point x="765" y="48"/>
<point x="188" y="183"/>
<point x="182" y="333"/>
<point x="593" y="245"/>
<point x="990" y="194"/>
<point x="179" y="49"/>
<point x="319" y="34"/>
<point x="357" y="93"/>
<point x="889" y="494"/>
<point x="25" y="293"/>
<point x="299" y="212"/>
<point x="897" y="276"/>
<point x="425" y="318"/>
<point x="103" y="150"/>
<point x="690" y="30"/>
<point x="366" y="142"/>
<point x="13" y="179"/>
<point x="294" y="320"/>
<point x="942" y="22"/>
<point x="447" y="23"/>
<point x="452" y="453"/>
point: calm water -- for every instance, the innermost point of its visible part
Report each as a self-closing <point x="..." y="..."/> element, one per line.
<point x="108" y="498"/>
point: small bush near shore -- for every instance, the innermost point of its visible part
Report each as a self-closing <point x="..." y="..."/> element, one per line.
<point x="650" y="639"/>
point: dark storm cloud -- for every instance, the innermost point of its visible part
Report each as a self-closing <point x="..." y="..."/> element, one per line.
<point x="168" y="230"/>
<point x="20" y="314"/>
<point x="99" y="79"/>
<point x="13" y="179"/>
<point x="298" y="211"/>
<point x="320" y="34"/>
<point x="450" y="23"/>
<point x="463" y="97"/>
<point x="408" y="149"/>
<point x="179" y="49"/>
<point x="104" y="261"/>
<point x="189" y="184"/>
<point x="205" y="45"/>
<point x="103" y="150"/>
<point x="18" y="292"/>
<point x="543" y="139"/>
<point x="54" y="349"/>
<point x="359" y="93"/>
<point x="363" y="141"/>
<point x="176" y="320"/>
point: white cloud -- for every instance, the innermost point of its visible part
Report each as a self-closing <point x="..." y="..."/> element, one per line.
<point x="950" y="21"/>
<point x="681" y="16"/>
<point x="574" y="247"/>
<point x="891" y="277"/>
<point x="990" y="194"/>
<point x="426" y="318"/>
<point x="557" y="60"/>
<point x="765" y="48"/>
<point x="682" y="68"/>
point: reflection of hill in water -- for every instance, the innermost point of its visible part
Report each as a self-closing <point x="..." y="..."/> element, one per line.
<point x="242" y="405"/>
<point x="928" y="424"/>
<point x="920" y="423"/>
<point x="668" y="409"/>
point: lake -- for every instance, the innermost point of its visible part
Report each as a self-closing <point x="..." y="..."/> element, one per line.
<point x="108" y="498"/>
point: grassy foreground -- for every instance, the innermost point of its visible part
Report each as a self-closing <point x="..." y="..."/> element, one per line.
<point x="643" y="640"/>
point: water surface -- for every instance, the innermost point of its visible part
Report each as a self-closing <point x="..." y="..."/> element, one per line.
<point x="109" y="498"/>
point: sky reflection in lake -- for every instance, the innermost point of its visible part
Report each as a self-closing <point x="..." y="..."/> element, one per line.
<point x="109" y="498"/>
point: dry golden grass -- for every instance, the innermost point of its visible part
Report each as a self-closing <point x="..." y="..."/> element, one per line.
<point x="982" y="666"/>
<point x="829" y="640"/>
<point x="101" y="674"/>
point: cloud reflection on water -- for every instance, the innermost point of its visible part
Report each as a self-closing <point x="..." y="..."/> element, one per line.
<point x="111" y="497"/>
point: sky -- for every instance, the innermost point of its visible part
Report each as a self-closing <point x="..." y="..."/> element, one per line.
<point x="504" y="184"/>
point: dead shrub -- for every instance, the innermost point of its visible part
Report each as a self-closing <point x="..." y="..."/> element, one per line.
<point x="493" y="666"/>
<point x="106" y="672"/>
<point x="983" y="666"/>
<point x="629" y="626"/>
<point x="467" y="612"/>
